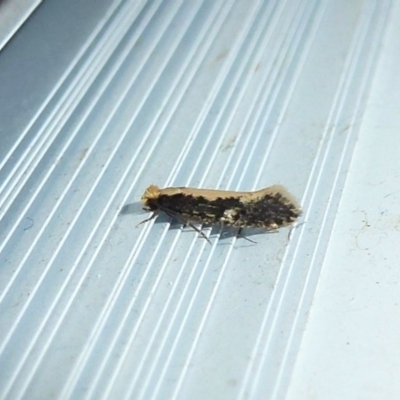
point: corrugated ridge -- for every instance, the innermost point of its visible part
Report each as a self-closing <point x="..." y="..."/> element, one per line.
<point x="46" y="125"/>
<point x="39" y="188"/>
<point x="195" y="290"/>
<point x="277" y="76"/>
<point x="118" y="288"/>
<point x="164" y="363"/>
<point x="154" y="257"/>
<point x="60" y="292"/>
<point x="12" y="16"/>
<point x="366" y="48"/>
<point x="351" y="92"/>
<point x="166" y="259"/>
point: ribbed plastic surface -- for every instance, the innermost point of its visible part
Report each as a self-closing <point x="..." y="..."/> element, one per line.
<point x="217" y="94"/>
<point x="13" y="13"/>
<point x="349" y="349"/>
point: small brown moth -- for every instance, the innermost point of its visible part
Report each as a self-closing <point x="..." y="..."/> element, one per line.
<point x="269" y="208"/>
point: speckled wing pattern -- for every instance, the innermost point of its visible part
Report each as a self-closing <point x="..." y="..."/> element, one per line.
<point x="268" y="208"/>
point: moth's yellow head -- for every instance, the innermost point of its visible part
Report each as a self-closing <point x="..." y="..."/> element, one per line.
<point x="151" y="193"/>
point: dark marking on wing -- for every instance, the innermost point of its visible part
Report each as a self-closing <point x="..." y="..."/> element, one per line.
<point x="268" y="212"/>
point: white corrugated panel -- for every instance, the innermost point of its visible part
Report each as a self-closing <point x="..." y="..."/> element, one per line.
<point x="13" y="13"/>
<point x="349" y="349"/>
<point x="101" y="99"/>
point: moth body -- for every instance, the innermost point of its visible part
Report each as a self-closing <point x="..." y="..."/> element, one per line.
<point x="269" y="208"/>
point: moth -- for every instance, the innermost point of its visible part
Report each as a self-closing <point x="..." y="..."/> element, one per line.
<point x="269" y="208"/>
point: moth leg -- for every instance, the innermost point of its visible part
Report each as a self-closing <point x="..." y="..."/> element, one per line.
<point x="244" y="237"/>
<point x="199" y="231"/>
<point x="154" y="215"/>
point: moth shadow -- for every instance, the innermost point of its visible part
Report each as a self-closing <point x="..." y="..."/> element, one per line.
<point x="132" y="208"/>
